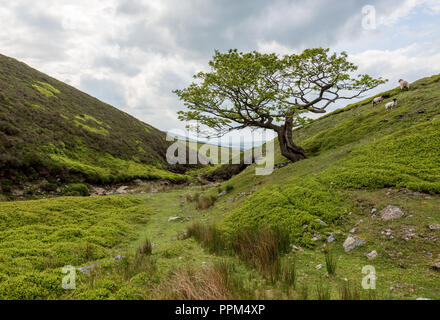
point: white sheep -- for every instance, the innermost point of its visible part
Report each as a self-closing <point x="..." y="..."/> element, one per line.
<point x="391" y="105"/>
<point x="378" y="100"/>
<point x="404" y="85"/>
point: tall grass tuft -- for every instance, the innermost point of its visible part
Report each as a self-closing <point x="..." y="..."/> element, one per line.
<point x="211" y="283"/>
<point x="331" y="262"/>
<point x="262" y="249"/>
<point x="209" y="236"/>
<point x="348" y="291"/>
<point x="146" y="248"/>
<point x="322" y="291"/>
<point x="289" y="276"/>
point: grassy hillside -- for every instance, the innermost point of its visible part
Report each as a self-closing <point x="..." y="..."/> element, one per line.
<point x="233" y="241"/>
<point x="49" y="130"/>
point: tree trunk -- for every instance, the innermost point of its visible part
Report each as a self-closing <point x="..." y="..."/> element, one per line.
<point x="288" y="149"/>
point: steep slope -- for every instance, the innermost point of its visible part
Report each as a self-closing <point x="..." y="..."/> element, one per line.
<point x="359" y="147"/>
<point x="50" y="130"/>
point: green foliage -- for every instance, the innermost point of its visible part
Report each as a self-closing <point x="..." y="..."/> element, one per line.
<point x="294" y="206"/>
<point x="78" y="189"/>
<point x="331" y="262"/>
<point x="409" y="158"/>
<point x="254" y="89"/>
<point x="38" y="113"/>
<point x="46" y="89"/>
<point x="39" y="237"/>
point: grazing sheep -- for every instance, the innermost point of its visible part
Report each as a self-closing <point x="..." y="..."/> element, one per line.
<point x="391" y="105"/>
<point x="404" y="85"/>
<point x="378" y="100"/>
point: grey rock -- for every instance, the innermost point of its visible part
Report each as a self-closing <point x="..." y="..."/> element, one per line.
<point x="391" y="212"/>
<point x="319" y="266"/>
<point x="296" y="248"/>
<point x="409" y="234"/>
<point x="436" y="266"/>
<point x="170" y="219"/>
<point x="122" y="190"/>
<point x="360" y="221"/>
<point x="372" y="255"/>
<point x="322" y="223"/>
<point x="434" y="227"/>
<point x="86" y="269"/>
<point x="352" y="243"/>
<point x="354" y="230"/>
<point x="117" y="258"/>
<point x="331" y="238"/>
<point x="373" y="211"/>
<point x="316" y="237"/>
<point x="282" y="165"/>
<point x="221" y="194"/>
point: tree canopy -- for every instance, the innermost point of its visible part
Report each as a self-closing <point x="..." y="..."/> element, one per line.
<point x="257" y="90"/>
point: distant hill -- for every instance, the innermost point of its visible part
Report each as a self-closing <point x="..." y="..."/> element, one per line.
<point x="50" y="131"/>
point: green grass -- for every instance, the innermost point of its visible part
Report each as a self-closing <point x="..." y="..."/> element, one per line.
<point x="40" y="237"/>
<point x="359" y="159"/>
<point x="37" y="111"/>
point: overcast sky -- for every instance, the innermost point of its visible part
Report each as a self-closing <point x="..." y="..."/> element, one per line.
<point x="133" y="53"/>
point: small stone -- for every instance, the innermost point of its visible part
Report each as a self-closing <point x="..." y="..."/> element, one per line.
<point x="436" y="266"/>
<point x="373" y="211"/>
<point x="221" y="194"/>
<point x="372" y="255"/>
<point x="319" y="266"/>
<point x="352" y="243"/>
<point x="391" y="212"/>
<point x="354" y="230"/>
<point x="122" y="190"/>
<point x="316" y="237"/>
<point x="322" y="223"/>
<point x="434" y="227"/>
<point x="357" y="224"/>
<point x="295" y="248"/>
<point x="305" y="226"/>
<point x="331" y="238"/>
<point x="409" y="234"/>
<point x="117" y="258"/>
<point x="170" y="219"/>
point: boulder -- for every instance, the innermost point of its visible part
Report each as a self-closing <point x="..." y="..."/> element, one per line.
<point x="352" y="243"/>
<point x="391" y="212"/>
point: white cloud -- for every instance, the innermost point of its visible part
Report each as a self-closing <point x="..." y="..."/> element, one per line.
<point x="133" y="53"/>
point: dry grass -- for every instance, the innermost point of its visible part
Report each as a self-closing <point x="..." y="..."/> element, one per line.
<point x="348" y="291"/>
<point x="210" y="283"/>
<point x="262" y="249"/>
<point x="209" y="236"/>
<point x="202" y="202"/>
<point x="146" y="248"/>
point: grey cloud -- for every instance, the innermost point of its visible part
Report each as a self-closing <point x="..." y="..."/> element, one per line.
<point x="199" y="27"/>
<point x="118" y="65"/>
<point x="104" y="89"/>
